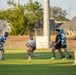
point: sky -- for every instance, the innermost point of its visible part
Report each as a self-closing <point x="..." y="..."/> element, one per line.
<point x="68" y="5"/>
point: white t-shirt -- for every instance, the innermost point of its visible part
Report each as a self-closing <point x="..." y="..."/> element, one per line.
<point x="32" y="42"/>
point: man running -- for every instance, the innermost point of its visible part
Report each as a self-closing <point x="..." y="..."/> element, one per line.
<point x="2" y="41"/>
<point x="31" y="47"/>
<point x="57" y="45"/>
<point x="64" y="43"/>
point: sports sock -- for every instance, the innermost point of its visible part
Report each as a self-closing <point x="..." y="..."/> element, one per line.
<point x="54" y="56"/>
<point x="75" y="61"/>
<point x="0" y="57"/>
<point x="29" y="57"/>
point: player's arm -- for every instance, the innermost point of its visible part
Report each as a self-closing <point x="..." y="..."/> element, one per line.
<point x="3" y="39"/>
<point x="27" y="44"/>
<point x="59" y="39"/>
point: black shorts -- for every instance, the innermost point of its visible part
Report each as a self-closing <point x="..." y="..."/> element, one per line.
<point x="58" y="46"/>
<point x="64" y="46"/>
<point x="1" y="49"/>
<point x="33" y="48"/>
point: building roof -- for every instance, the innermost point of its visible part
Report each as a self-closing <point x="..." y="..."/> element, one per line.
<point x="71" y="25"/>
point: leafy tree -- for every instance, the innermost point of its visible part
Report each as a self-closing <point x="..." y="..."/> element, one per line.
<point x="23" y="18"/>
<point x="16" y="18"/>
<point x="58" y="14"/>
<point x="34" y="14"/>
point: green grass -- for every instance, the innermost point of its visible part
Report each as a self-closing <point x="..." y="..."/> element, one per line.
<point x="16" y="63"/>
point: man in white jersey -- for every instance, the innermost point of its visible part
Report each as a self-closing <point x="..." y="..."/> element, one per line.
<point x="31" y="47"/>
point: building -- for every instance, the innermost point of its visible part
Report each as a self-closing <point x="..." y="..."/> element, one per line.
<point x="53" y="26"/>
<point x="69" y="26"/>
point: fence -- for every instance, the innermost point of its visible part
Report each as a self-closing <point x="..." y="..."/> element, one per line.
<point x="15" y="45"/>
<point x="21" y="45"/>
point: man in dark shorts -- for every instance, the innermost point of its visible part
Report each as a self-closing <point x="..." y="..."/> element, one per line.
<point x="31" y="47"/>
<point x="58" y="45"/>
<point x="64" y="43"/>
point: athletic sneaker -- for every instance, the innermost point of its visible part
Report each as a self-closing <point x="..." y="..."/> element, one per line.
<point x="3" y="59"/>
<point x="36" y="55"/>
<point x="74" y="64"/>
<point x="52" y="58"/>
<point x="70" y="56"/>
<point x="63" y="58"/>
<point x="29" y="59"/>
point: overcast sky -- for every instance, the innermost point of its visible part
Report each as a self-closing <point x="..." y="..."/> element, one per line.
<point x="68" y="5"/>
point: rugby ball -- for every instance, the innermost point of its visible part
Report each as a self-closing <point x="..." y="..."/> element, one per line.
<point x="27" y="44"/>
<point x="32" y="42"/>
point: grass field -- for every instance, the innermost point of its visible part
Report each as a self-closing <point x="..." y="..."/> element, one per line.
<point x="16" y="63"/>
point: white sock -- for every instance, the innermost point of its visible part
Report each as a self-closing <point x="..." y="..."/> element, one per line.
<point x="29" y="57"/>
<point x="75" y="61"/>
<point x="0" y="57"/>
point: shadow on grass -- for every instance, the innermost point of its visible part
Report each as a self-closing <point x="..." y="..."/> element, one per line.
<point x="41" y="66"/>
<point x="37" y="69"/>
<point x="42" y="55"/>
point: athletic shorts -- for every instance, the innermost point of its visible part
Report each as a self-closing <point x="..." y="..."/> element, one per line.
<point x="64" y="46"/>
<point x="1" y="49"/>
<point x="58" y="46"/>
<point x="33" y="48"/>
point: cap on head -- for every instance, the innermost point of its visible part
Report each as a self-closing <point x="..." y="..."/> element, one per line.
<point x="62" y="30"/>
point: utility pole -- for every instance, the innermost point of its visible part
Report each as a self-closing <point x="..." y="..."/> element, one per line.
<point x="46" y="29"/>
<point x="30" y="1"/>
<point x="17" y="3"/>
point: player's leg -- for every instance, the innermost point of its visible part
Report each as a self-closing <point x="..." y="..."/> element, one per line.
<point x="65" y="49"/>
<point x="3" y="54"/>
<point x="63" y="56"/>
<point x="74" y="58"/>
<point x="53" y="52"/>
<point x="0" y="54"/>
<point x="75" y="54"/>
<point x="29" y="51"/>
<point x="34" y="55"/>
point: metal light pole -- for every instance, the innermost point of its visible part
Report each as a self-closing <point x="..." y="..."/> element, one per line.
<point x="46" y="28"/>
<point x="17" y="2"/>
<point x="30" y="1"/>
